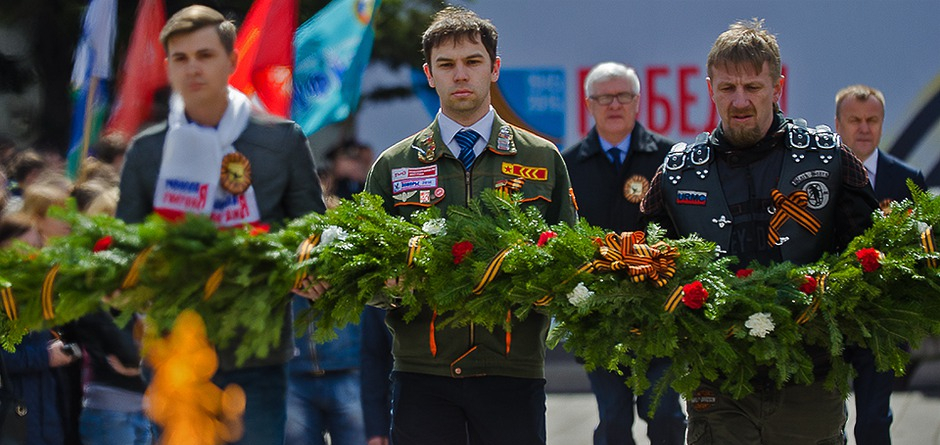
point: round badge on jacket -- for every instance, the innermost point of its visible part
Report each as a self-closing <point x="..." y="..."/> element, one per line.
<point x="635" y="187"/>
<point x="236" y="173"/>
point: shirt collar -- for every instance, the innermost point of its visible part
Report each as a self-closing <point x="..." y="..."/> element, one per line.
<point x="623" y="145"/>
<point x="449" y="129"/>
<point x="871" y="164"/>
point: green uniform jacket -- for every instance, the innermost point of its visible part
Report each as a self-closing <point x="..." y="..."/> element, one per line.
<point x="420" y="172"/>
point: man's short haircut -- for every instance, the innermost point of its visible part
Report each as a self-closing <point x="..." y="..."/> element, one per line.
<point x="746" y="43"/>
<point x="453" y="24"/>
<point x="109" y="147"/>
<point x="194" y="18"/>
<point x="605" y="71"/>
<point x="25" y="163"/>
<point x="860" y="93"/>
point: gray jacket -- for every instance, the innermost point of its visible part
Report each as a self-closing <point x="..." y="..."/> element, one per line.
<point x="283" y="175"/>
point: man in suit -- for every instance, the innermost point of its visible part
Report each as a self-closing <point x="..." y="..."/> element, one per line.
<point x="610" y="171"/>
<point x="860" y="112"/>
<point x="267" y="176"/>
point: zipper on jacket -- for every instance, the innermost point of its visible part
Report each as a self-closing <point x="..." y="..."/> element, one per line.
<point x="467" y="181"/>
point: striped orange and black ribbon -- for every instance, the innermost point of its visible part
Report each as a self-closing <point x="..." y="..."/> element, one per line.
<point x="491" y="271"/>
<point x="926" y="240"/>
<point x="9" y="303"/>
<point x="47" y="293"/>
<point x="213" y="283"/>
<point x="414" y="247"/>
<point x="790" y="207"/>
<point x="133" y="275"/>
<point x="303" y="254"/>
<point x="628" y="252"/>
<point x="673" y="301"/>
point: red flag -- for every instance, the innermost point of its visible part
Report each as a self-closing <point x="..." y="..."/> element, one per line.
<point x="266" y="55"/>
<point x="143" y="73"/>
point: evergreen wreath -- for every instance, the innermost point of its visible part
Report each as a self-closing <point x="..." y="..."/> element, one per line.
<point x="618" y="300"/>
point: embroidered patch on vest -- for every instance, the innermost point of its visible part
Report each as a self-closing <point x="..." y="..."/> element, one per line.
<point x="703" y="399"/>
<point x="522" y="171"/>
<point x="817" y="194"/>
<point x="812" y="174"/>
<point x="691" y="197"/>
<point x="635" y="187"/>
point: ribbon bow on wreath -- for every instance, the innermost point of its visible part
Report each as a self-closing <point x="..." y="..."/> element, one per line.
<point x="627" y="252"/>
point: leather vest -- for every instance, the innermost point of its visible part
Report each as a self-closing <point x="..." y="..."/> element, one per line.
<point x="695" y="201"/>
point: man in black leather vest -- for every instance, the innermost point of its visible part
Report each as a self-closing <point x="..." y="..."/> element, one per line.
<point x="726" y="187"/>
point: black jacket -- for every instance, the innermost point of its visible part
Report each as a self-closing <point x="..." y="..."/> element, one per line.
<point x="891" y="178"/>
<point x="601" y="192"/>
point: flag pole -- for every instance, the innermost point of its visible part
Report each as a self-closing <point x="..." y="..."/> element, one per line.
<point x="86" y="126"/>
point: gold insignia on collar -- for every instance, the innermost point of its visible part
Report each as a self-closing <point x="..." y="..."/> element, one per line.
<point x="235" y="176"/>
<point x="427" y="152"/>
<point x="635" y="187"/>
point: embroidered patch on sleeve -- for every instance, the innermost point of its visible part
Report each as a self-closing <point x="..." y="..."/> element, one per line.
<point x="522" y="171"/>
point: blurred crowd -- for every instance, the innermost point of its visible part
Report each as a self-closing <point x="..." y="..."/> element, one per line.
<point x="82" y="383"/>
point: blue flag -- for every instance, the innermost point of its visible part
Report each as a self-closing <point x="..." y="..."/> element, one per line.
<point x="90" y="76"/>
<point x="331" y="53"/>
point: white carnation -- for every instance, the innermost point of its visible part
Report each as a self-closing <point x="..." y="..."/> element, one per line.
<point x="760" y="324"/>
<point x="330" y="234"/>
<point x="921" y="226"/>
<point x="579" y="295"/>
<point x="437" y="226"/>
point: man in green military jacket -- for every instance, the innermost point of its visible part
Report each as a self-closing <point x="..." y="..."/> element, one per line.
<point x="468" y="385"/>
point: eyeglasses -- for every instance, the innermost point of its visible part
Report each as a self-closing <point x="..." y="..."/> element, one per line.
<point x="607" y="99"/>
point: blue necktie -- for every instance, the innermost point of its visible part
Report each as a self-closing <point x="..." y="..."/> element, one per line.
<point x="466" y="139"/>
<point x="615" y="157"/>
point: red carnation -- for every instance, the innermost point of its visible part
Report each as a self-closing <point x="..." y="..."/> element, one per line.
<point x="461" y="250"/>
<point x="598" y="242"/>
<point x="259" y="229"/>
<point x="694" y="295"/>
<point x="544" y="237"/>
<point x="809" y="285"/>
<point x="744" y="273"/>
<point x="102" y="244"/>
<point x="869" y="257"/>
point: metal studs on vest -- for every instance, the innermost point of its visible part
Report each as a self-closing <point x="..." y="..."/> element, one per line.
<point x="722" y="221"/>
<point x="700" y="153"/>
<point x="826" y="140"/>
<point x="675" y="159"/>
